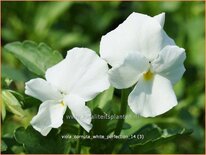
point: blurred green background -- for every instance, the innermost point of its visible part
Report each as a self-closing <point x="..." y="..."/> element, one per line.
<point x="64" y="25"/>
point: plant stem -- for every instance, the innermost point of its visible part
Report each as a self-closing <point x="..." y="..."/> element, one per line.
<point x="78" y="145"/>
<point x="123" y="110"/>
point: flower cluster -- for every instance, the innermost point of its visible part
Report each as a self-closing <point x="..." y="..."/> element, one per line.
<point x="140" y="53"/>
<point x="70" y="83"/>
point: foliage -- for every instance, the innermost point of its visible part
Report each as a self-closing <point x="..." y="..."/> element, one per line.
<point x="37" y="58"/>
<point x="154" y="136"/>
<point x="34" y="142"/>
<point x="63" y="25"/>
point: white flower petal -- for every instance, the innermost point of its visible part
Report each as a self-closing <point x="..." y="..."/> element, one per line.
<point x="79" y="110"/>
<point x="82" y="72"/>
<point x="153" y="97"/>
<point x="160" y="18"/>
<point x="169" y="63"/>
<point x="50" y="115"/>
<point x="167" y="40"/>
<point x="138" y="33"/>
<point x="128" y="73"/>
<point x="42" y="90"/>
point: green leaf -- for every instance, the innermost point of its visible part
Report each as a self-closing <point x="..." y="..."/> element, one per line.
<point x="3" y="146"/>
<point x="47" y="14"/>
<point x="12" y="73"/>
<point x="151" y="136"/>
<point x="113" y="123"/>
<point x="3" y="111"/>
<point x="18" y="95"/>
<point x="99" y="125"/>
<point x="99" y="128"/>
<point x="37" y="58"/>
<point x="34" y="142"/>
<point x="103" y="126"/>
<point x="11" y="103"/>
<point x="102" y="99"/>
<point x="105" y="97"/>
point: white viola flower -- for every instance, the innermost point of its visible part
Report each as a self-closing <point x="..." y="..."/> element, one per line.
<point x="141" y="53"/>
<point x="70" y="83"/>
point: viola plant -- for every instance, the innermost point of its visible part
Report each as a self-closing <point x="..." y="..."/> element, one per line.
<point x="70" y="83"/>
<point x="124" y="95"/>
<point x="140" y="52"/>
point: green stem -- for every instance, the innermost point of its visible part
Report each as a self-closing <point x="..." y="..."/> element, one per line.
<point x="123" y="111"/>
<point x="78" y="145"/>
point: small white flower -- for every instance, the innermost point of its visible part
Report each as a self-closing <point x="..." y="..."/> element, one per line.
<point x="73" y="81"/>
<point x="140" y="51"/>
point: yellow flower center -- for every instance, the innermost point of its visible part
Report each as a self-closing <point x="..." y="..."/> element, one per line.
<point x="148" y="75"/>
<point x="62" y="103"/>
